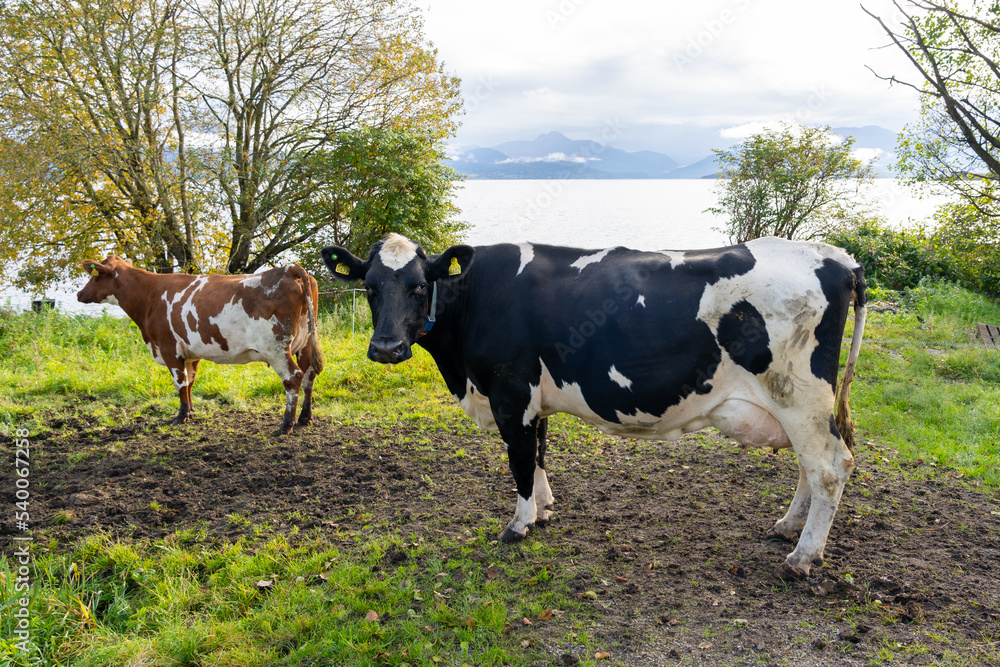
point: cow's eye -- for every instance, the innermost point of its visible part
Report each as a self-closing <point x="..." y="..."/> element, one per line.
<point x="420" y="289"/>
<point x="372" y="291"/>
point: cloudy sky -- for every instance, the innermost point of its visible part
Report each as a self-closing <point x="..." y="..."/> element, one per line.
<point x="677" y="77"/>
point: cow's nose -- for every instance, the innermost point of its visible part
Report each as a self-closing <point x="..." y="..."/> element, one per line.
<point x="388" y="351"/>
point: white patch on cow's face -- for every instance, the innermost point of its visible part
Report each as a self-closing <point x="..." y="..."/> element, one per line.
<point x="527" y="254"/>
<point x="477" y="406"/>
<point x="619" y="379"/>
<point x="110" y="300"/>
<point x="397" y="251"/>
<point x="641" y="301"/>
<point x="676" y="257"/>
<point x="587" y="260"/>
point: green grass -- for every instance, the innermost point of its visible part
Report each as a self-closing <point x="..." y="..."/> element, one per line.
<point x="175" y="602"/>
<point x="925" y="389"/>
<point x="51" y="360"/>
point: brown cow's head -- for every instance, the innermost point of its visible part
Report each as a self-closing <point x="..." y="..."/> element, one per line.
<point x="103" y="283"/>
<point x="399" y="278"/>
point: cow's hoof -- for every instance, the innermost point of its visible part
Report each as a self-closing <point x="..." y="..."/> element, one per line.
<point x="180" y="419"/>
<point x="509" y="535"/>
<point x="304" y="422"/>
<point x="788" y="572"/>
<point x="543" y="517"/>
<point x="774" y="536"/>
<point x="283" y="430"/>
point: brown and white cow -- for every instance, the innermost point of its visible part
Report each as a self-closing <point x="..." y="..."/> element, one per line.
<point x="185" y="318"/>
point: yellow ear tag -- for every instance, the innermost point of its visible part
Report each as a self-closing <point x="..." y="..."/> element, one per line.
<point x="342" y="269"/>
<point x="454" y="269"/>
<point x="93" y="270"/>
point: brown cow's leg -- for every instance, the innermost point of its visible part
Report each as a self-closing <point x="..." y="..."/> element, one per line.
<point x="178" y="370"/>
<point x="304" y="359"/>
<point x="191" y="368"/>
<point x="291" y="377"/>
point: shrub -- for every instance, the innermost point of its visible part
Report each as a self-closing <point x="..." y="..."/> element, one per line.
<point x="895" y="259"/>
<point x="973" y="241"/>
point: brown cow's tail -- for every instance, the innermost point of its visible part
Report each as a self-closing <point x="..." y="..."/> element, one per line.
<point x="311" y="290"/>
<point x="312" y="303"/>
<point x="843" y="420"/>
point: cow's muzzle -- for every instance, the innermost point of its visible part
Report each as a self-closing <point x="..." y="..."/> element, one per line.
<point x="388" y="351"/>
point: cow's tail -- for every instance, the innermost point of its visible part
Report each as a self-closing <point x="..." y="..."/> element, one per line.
<point x="843" y="420"/>
<point x="311" y="290"/>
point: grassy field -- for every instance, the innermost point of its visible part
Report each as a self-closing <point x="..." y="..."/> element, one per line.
<point x="192" y="598"/>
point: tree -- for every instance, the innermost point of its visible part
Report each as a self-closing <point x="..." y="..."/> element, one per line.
<point x="374" y="181"/>
<point x="794" y="183"/>
<point x="84" y="133"/>
<point x="182" y="133"/>
<point x="956" y="54"/>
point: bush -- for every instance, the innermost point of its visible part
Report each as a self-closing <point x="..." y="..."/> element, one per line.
<point x="895" y="259"/>
<point x="963" y="248"/>
<point x="973" y="242"/>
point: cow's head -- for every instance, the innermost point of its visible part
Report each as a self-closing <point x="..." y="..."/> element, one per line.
<point x="400" y="279"/>
<point x="103" y="283"/>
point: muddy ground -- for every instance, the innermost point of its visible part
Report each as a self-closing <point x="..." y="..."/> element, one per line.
<point x="669" y="536"/>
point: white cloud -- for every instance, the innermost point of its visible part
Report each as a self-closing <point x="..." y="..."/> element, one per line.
<point x="538" y="92"/>
<point x="867" y="155"/>
<point x="551" y="157"/>
<point x="751" y="61"/>
<point x="747" y="130"/>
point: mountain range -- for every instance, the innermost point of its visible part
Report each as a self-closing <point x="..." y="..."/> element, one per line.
<point x="553" y="155"/>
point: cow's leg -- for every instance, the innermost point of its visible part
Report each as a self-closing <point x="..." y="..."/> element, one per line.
<point x="191" y="369"/>
<point x="178" y="370"/>
<point x="291" y="378"/>
<point x="304" y="359"/>
<point x="522" y="445"/>
<point x="790" y="526"/>
<point x="826" y="463"/>
<point x="542" y="492"/>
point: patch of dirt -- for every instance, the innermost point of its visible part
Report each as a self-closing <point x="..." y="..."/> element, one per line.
<point x="666" y="539"/>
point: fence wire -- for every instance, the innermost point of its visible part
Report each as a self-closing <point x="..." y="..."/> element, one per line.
<point x="922" y="343"/>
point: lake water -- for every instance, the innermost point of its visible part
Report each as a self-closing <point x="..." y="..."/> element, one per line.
<point x="641" y="214"/>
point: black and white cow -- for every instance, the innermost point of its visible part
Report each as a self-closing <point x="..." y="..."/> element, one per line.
<point x="644" y="344"/>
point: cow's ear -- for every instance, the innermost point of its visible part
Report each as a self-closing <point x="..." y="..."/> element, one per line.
<point x="452" y="263"/>
<point x="342" y="264"/>
<point x="95" y="268"/>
